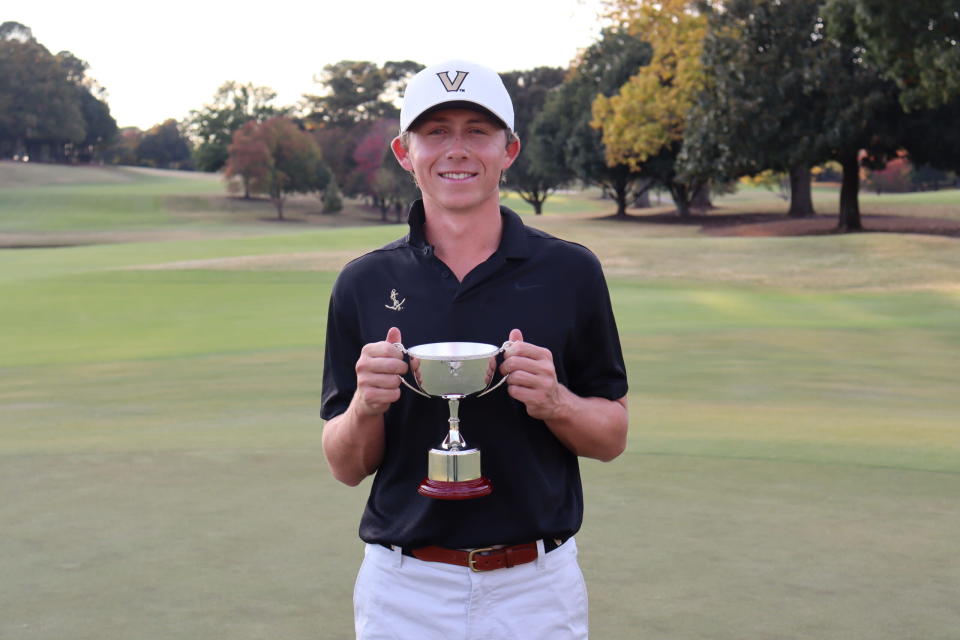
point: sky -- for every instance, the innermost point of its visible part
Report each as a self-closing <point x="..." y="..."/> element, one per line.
<point x="160" y="60"/>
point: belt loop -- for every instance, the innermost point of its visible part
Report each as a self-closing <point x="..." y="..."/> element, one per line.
<point x="397" y="556"/>
<point x="541" y="555"/>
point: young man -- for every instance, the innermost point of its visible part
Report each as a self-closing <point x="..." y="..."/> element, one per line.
<point x="470" y="270"/>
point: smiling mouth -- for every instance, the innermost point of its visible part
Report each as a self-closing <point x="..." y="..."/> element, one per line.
<point x="456" y="175"/>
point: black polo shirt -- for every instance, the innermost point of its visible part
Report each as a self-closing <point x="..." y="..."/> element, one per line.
<point x="555" y="293"/>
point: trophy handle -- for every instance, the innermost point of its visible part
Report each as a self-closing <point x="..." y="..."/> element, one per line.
<point x="403" y="350"/>
<point x="506" y="345"/>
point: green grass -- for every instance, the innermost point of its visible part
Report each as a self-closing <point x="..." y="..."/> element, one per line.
<point x="792" y="468"/>
<point x="106" y="200"/>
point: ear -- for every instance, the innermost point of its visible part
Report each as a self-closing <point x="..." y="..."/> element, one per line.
<point x="513" y="150"/>
<point x="402" y="155"/>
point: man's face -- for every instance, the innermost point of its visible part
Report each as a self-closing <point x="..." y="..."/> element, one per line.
<point x="457" y="156"/>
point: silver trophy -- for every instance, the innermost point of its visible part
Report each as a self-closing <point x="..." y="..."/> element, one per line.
<point x="453" y="371"/>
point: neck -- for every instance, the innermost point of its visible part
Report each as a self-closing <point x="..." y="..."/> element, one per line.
<point x="463" y="240"/>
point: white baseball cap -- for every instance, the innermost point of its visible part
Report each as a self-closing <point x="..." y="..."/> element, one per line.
<point x="456" y="81"/>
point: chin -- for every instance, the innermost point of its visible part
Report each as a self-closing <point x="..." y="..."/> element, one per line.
<point x="467" y="201"/>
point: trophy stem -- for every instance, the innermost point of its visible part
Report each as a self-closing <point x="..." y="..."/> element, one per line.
<point x="454" y="441"/>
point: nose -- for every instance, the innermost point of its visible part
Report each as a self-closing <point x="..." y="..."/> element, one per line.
<point x="457" y="147"/>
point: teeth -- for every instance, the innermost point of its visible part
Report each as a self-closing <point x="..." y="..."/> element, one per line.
<point x="456" y="176"/>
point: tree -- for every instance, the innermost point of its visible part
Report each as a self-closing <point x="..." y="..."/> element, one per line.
<point x="756" y="111"/>
<point x="124" y="147"/>
<point x="164" y="146"/>
<point x="359" y="91"/>
<point x="213" y="125"/>
<point x="248" y="158"/>
<point x="528" y="90"/>
<point x="49" y="108"/>
<point x="368" y="159"/>
<point x="791" y="87"/>
<point x="896" y="177"/>
<point x="932" y="137"/>
<point x="39" y="111"/>
<point x="278" y="159"/>
<point x="646" y="118"/>
<point x="562" y="142"/>
<point x="331" y="199"/>
<point x="338" y="143"/>
<point x="99" y="126"/>
<point x="914" y="44"/>
<point x="11" y="30"/>
<point x="398" y="186"/>
<point x="862" y="109"/>
<point x="357" y="94"/>
<point x="377" y="171"/>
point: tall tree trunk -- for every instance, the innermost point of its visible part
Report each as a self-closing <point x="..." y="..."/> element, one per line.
<point x="701" y="197"/>
<point x="539" y="197"/>
<point x="535" y="199"/>
<point x="642" y="201"/>
<point x="801" y="193"/>
<point x="850" y="193"/>
<point x="641" y="198"/>
<point x="620" y="194"/>
<point x="681" y="198"/>
<point x="278" y="203"/>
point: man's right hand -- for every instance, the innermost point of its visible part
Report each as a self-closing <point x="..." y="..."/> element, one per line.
<point x="378" y="375"/>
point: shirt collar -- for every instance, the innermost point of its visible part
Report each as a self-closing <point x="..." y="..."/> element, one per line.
<point x="513" y="242"/>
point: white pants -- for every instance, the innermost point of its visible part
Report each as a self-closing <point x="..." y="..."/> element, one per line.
<point x="401" y="598"/>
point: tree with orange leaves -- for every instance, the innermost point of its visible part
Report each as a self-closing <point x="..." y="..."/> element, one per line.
<point x="277" y="158"/>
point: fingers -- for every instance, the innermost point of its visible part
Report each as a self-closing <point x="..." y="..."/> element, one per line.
<point x="516" y="365"/>
<point x="386" y="349"/>
<point x="378" y="373"/>
<point x="527" y="365"/>
<point x="524" y="356"/>
<point x="393" y="335"/>
<point x="531" y="376"/>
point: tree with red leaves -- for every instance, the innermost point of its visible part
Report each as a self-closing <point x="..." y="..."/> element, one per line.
<point x="276" y="158"/>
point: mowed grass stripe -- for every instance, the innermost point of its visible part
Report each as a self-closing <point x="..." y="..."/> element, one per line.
<point x="863" y="378"/>
<point x="142" y="315"/>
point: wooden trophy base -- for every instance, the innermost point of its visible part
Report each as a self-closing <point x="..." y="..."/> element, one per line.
<point x="462" y="490"/>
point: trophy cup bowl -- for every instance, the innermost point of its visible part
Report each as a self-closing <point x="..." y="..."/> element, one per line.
<point x="453" y="371"/>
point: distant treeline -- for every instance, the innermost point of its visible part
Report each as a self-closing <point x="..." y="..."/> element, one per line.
<point x="49" y="108"/>
<point x="680" y="96"/>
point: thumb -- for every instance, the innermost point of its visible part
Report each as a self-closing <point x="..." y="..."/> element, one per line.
<point x="393" y="335"/>
<point x="515" y="335"/>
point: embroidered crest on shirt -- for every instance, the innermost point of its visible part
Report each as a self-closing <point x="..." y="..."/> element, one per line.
<point x="397" y="304"/>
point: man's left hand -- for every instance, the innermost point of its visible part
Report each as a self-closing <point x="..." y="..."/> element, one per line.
<point x="532" y="378"/>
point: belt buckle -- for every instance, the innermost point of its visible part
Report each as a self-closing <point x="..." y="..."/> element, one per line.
<point x="471" y="560"/>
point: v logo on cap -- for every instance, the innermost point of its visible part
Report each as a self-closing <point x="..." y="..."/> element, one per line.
<point x="455" y="84"/>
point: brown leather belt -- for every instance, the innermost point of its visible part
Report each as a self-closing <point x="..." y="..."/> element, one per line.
<point x="486" y="559"/>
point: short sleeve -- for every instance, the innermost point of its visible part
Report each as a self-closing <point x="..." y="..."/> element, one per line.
<point x="595" y="366"/>
<point x="342" y="349"/>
